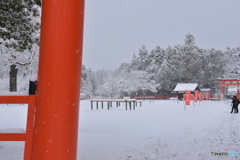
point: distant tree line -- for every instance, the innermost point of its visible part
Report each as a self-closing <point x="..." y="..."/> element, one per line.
<point x="157" y="72"/>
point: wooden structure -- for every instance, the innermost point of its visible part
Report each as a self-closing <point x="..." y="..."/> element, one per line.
<point x="128" y="102"/>
<point x="21" y="135"/>
<point x="206" y="93"/>
<point x="145" y="97"/>
<point x="225" y="82"/>
<point x="181" y="89"/>
<point x="156" y="97"/>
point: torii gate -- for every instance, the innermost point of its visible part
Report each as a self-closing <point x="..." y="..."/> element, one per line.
<point x="53" y="113"/>
<point x="58" y="91"/>
<point x="228" y="82"/>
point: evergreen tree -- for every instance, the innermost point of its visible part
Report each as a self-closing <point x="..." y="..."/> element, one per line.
<point x="232" y="57"/>
<point x="17" y="25"/>
<point x="141" y="61"/>
<point x="212" y="67"/>
<point x="86" y="81"/>
<point x="19" y="32"/>
<point x="190" y="40"/>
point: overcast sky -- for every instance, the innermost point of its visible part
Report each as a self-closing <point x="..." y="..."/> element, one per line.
<point x="116" y="29"/>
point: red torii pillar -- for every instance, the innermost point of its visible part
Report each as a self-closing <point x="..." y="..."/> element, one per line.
<point x="58" y="91"/>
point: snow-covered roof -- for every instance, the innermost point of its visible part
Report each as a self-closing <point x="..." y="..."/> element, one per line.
<point x="205" y="89"/>
<point x="227" y="79"/>
<point x="180" y="87"/>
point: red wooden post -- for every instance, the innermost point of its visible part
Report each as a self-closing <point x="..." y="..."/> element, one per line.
<point x="29" y="128"/>
<point x="196" y="96"/>
<point x="187" y="100"/>
<point x="200" y="96"/>
<point x="238" y="91"/>
<point x="223" y="92"/>
<point x="207" y="96"/>
<point x="58" y="90"/>
<point x="192" y="97"/>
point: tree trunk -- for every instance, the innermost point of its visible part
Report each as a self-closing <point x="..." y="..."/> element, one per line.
<point x="13" y="78"/>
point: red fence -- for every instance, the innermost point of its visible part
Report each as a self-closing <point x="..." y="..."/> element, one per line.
<point x="152" y="97"/>
<point x="27" y="136"/>
<point x="149" y="97"/>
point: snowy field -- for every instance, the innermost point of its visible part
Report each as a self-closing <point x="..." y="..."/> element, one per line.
<point x="162" y="130"/>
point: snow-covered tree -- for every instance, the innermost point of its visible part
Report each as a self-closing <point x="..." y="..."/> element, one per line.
<point x="156" y="57"/>
<point x="111" y="84"/>
<point x="232" y="57"/>
<point x="189" y="40"/>
<point x="188" y="63"/>
<point x="16" y="26"/>
<point x="137" y="81"/>
<point x="212" y="66"/>
<point x="164" y="68"/>
<point x="170" y="71"/>
<point x="97" y="79"/>
<point x="144" y="82"/>
<point x="141" y="61"/>
<point x="19" y="35"/>
<point x="86" y="81"/>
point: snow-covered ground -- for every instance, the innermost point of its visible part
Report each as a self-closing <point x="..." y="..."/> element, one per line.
<point x="162" y="130"/>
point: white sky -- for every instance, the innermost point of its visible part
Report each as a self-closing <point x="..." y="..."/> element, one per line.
<point x="116" y="29"/>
